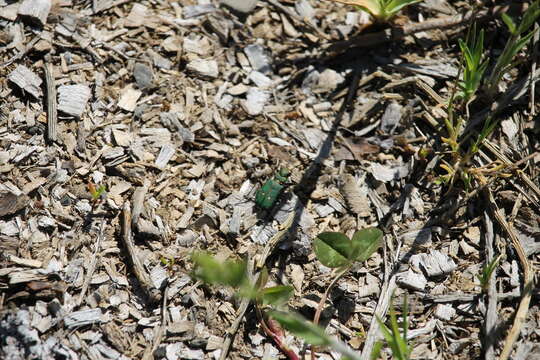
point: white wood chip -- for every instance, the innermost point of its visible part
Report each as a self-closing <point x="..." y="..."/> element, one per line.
<point x="279" y="141"/>
<point x="136" y="16"/>
<point x="412" y="280"/>
<point x="434" y="264"/>
<point x="28" y="81"/>
<point x="391" y="117"/>
<point x="36" y="9"/>
<point x="72" y="99"/>
<point x="387" y="173"/>
<point x="445" y="312"/>
<point x="260" y="79"/>
<point x="9" y="12"/>
<point x="25" y="262"/>
<point x="203" y="68"/>
<point x="83" y="317"/>
<point x="159" y="276"/>
<point x="129" y="97"/>
<point x="165" y="155"/>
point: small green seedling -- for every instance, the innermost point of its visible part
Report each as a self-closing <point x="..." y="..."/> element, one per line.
<point x="233" y="273"/>
<point x="519" y="37"/>
<point x="96" y="194"/>
<point x="487" y="272"/>
<point x="267" y="196"/>
<point x="267" y="300"/>
<point x="396" y="339"/>
<point x="168" y="261"/>
<point x="336" y="250"/>
<point x="381" y="10"/>
<point x="474" y="65"/>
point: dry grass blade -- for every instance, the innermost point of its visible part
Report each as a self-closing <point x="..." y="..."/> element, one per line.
<point x="521" y="313"/>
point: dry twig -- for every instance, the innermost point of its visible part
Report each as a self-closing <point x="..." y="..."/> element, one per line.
<point x="144" y="278"/>
<point x="521" y="313"/>
<point x="52" y="115"/>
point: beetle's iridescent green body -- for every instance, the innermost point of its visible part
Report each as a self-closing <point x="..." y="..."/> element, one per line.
<point x="269" y="193"/>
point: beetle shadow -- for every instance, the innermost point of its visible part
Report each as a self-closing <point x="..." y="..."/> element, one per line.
<point x="310" y="178"/>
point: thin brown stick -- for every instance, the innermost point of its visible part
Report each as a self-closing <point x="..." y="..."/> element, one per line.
<point x="535" y="42"/>
<point x="52" y="114"/>
<point x="320" y="306"/>
<point x="93" y="263"/>
<point x="491" y="312"/>
<point x="254" y="271"/>
<point x="158" y="334"/>
<point x="521" y="313"/>
<point x="144" y="279"/>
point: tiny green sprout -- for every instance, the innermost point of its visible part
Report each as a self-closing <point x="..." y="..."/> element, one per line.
<point x="474" y="65"/>
<point x="96" y="193"/>
<point x="267" y="196"/>
<point x="396" y="339"/>
<point x="381" y="10"/>
<point x="167" y="261"/>
<point x="487" y="272"/>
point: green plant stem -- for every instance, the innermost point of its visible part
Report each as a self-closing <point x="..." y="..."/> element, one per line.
<point x="320" y="306"/>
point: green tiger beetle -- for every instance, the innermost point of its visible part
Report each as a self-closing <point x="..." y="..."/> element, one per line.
<point x="267" y="196"/>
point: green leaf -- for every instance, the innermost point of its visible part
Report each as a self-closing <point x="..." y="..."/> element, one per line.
<point x="333" y="249"/>
<point x="276" y="295"/>
<point x="365" y="242"/>
<point x="209" y="270"/>
<point x="510" y="24"/>
<point x="301" y="327"/>
<point x="376" y="352"/>
<point x="396" y="340"/>
<point x="393" y="7"/>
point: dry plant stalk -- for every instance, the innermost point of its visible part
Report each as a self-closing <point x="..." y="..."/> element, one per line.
<point x="521" y="313"/>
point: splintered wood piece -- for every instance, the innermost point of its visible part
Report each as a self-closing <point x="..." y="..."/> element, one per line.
<point x="165" y="155"/>
<point x="101" y="5"/>
<point x="83" y="317"/>
<point x="144" y="278"/>
<point x="72" y="99"/>
<point x="35" y="10"/>
<point x="28" y="81"/>
<point x="52" y="115"/>
<point x="95" y="258"/>
<point x="129" y="97"/>
<point x="137" y="16"/>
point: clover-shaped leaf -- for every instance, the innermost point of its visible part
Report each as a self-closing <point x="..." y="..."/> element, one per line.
<point x="332" y="249"/>
<point x="365" y="242"/>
